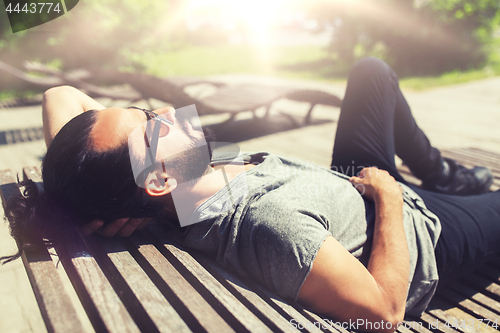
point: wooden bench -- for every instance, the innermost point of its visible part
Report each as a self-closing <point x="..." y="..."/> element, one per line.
<point x="148" y="283"/>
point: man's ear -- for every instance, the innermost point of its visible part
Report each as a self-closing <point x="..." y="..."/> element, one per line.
<point x="157" y="185"/>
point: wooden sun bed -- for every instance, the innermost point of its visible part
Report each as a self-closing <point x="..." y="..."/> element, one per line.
<point x="230" y="99"/>
<point x="149" y="283"/>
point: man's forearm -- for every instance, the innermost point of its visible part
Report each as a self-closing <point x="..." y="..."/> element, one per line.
<point x="389" y="261"/>
<point x="60" y="105"/>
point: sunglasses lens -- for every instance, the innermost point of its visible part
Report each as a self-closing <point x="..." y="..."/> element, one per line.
<point x="149" y="128"/>
<point x="164" y="129"/>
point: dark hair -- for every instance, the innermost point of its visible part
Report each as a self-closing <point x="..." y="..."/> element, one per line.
<point x="80" y="184"/>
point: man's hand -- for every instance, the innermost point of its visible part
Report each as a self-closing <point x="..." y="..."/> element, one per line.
<point x="120" y="227"/>
<point x="374" y="183"/>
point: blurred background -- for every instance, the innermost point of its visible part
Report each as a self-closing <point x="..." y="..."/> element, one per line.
<point x="443" y="41"/>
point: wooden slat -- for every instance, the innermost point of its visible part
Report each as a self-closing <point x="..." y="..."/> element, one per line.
<point x="253" y="300"/>
<point x="226" y="304"/>
<point x="434" y="323"/>
<point x="418" y="326"/>
<point x="150" y="309"/>
<point x="477" y="296"/>
<point x="470" y="306"/>
<point x="196" y="311"/>
<point x="484" y="152"/>
<point x="476" y="154"/>
<point x="471" y="158"/>
<point x="403" y="329"/>
<point x="436" y="309"/>
<point x="466" y="159"/>
<point x="120" y="286"/>
<point x="329" y="326"/>
<point x="489" y="288"/>
<point x="55" y="304"/>
<point x="104" y="308"/>
<point x="290" y="311"/>
<point x="8" y="186"/>
<point x="453" y="316"/>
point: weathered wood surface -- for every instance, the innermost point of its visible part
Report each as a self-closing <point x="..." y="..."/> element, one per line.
<point x="55" y="304"/>
<point x="150" y="283"/>
<point x="102" y="304"/>
<point x="193" y="308"/>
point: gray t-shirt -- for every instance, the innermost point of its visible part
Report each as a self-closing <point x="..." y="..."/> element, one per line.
<point x="274" y="231"/>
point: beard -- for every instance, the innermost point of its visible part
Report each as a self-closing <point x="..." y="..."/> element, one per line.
<point x="189" y="165"/>
<point x="194" y="162"/>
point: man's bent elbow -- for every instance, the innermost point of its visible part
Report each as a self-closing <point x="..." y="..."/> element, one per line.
<point x="57" y="90"/>
<point x="393" y="319"/>
<point x="385" y="321"/>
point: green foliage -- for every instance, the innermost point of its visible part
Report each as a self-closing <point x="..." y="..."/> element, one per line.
<point x="98" y="34"/>
<point x="454" y="77"/>
<point x="95" y="33"/>
<point x="415" y="37"/>
<point x="222" y="59"/>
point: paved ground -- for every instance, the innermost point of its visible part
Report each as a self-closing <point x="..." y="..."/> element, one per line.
<point x="457" y="116"/>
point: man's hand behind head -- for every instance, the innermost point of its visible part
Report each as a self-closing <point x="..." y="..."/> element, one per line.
<point x="123" y="227"/>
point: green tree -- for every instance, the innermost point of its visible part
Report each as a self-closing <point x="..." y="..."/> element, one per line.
<point x="96" y="33"/>
<point x="416" y="37"/>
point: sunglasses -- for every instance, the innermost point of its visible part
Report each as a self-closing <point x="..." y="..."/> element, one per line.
<point x="161" y="128"/>
<point x="163" y="123"/>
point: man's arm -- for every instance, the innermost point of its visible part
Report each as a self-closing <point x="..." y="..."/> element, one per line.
<point x="340" y="286"/>
<point x="60" y="105"/>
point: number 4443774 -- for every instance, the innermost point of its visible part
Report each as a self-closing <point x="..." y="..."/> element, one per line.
<point x="34" y="8"/>
<point x="471" y="323"/>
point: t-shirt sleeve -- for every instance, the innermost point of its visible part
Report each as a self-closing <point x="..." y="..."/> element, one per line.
<point x="278" y="245"/>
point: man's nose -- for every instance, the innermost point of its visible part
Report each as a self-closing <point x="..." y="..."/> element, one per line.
<point x="167" y="112"/>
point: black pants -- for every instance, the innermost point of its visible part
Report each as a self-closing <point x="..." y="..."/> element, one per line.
<point x="375" y="124"/>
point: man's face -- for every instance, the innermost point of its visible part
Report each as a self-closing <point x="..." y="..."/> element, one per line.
<point x="183" y="149"/>
<point x="193" y="161"/>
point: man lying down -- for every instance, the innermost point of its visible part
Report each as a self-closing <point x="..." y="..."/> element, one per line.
<point x="353" y="242"/>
